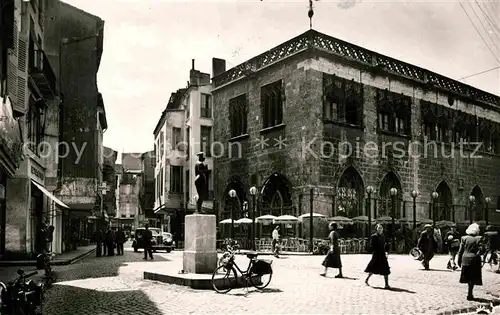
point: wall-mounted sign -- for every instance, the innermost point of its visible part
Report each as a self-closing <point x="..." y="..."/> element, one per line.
<point x="37" y="174"/>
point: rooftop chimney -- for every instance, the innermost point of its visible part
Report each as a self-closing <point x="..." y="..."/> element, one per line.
<point x="192" y="64"/>
<point x="218" y="66"/>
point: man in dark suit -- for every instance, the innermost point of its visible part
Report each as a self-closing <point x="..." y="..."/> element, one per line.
<point x="120" y="239"/>
<point x="147" y="236"/>
<point x="427" y="244"/>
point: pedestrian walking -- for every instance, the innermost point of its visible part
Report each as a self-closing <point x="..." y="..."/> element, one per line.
<point x="492" y="244"/>
<point x="452" y="240"/>
<point x="378" y="265"/>
<point x="332" y="259"/>
<point x="469" y="259"/>
<point x="99" y="239"/>
<point x="427" y="244"/>
<point x="147" y="235"/>
<point x="275" y="241"/>
<point x="120" y="239"/>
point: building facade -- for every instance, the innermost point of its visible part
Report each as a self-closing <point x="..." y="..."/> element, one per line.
<point x="184" y="129"/>
<point x="130" y="180"/>
<point x="319" y="113"/>
<point x="34" y="99"/>
<point x="82" y="119"/>
<point x="109" y="178"/>
<point x="147" y="193"/>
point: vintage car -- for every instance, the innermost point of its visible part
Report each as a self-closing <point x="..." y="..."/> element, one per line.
<point x="157" y="241"/>
<point x="168" y="239"/>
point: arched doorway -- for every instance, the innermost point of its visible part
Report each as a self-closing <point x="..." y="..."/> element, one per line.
<point x="276" y="196"/>
<point x="478" y="206"/>
<point x="384" y="205"/>
<point x="349" y="194"/>
<point x="444" y="203"/>
<point x="276" y="199"/>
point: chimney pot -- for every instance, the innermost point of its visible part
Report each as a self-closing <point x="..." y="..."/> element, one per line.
<point x="192" y="64"/>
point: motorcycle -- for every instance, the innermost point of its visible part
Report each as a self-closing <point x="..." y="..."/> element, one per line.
<point x="22" y="296"/>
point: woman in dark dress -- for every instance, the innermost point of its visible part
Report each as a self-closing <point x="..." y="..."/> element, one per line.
<point x="469" y="259"/>
<point x="378" y="264"/>
<point x="332" y="259"/>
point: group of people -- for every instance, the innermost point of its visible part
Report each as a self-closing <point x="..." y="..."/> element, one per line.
<point x="465" y="252"/>
<point x="107" y="241"/>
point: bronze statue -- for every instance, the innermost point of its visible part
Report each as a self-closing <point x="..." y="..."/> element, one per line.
<point x="201" y="180"/>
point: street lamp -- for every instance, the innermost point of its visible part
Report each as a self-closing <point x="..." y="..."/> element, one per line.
<point x="434" y="196"/>
<point x="471" y="204"/>
<point x="232" y="194"/>
<point x="253" y="193"/>
<point x="369" y="192"/>
<point x="414" y="195"/>
<point x="393" y="192"/>
<point x="311" y="227"/>
<point x="487" y="200"/>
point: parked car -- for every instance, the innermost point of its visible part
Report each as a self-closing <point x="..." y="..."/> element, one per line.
<point x="157" y="241"/>
<point x="168" y="239"/>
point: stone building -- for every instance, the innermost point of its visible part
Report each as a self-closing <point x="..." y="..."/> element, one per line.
<point x="30" y="87"/>
<point x="82" y="117"/>
<point x="318" y="112"/>
<point x="130" y="187"/>
<point x="147" y="192"/>
<point x="110" y="179"/>
<point x="183" y="130"/>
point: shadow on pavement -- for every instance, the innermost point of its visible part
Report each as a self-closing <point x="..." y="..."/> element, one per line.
<point x="101" y="267"/>
<point x="438" y="270"/>
<point x="267" y="290"/>
<point x="395" y="289"/>
<point x="65" y="299"/>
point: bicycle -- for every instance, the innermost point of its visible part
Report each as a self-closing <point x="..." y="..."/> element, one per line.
<point x="225" y="277"/>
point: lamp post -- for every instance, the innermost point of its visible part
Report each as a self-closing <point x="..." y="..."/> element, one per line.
<point x="434" y="196"/>
<point x="253" y="193"/>
<point x="232" y="194"/>
<point x="369" y="192"/>
<point x="414" y="195"/>
<point x="487" y="200"/>
<point x="471" y="204"/>
<point x="311" y="227"/>
<point x="393" y="192"/>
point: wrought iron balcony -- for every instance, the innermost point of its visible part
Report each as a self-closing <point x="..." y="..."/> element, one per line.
<point x="42" y="75"/>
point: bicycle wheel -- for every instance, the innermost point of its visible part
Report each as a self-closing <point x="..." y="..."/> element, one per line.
<point x="223" y="279"/>
<point x="264" y="280"/>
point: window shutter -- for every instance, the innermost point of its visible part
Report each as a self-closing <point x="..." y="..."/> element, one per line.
<point x="22" y="73"/>
<point x="12" y="70"/>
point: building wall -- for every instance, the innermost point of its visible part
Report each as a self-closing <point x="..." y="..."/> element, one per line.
<point x="80" y="57"/>
<point x="302" y="76"/>
<point x="109" y="177"/>
<point x="193" y="123"/>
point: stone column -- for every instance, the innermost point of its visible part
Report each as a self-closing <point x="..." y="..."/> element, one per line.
<point x="200" y="254"/>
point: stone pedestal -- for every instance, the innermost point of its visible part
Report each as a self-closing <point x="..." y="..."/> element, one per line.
<point x="200" y="254"/>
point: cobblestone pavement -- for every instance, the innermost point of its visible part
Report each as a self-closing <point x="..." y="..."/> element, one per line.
<point x="114" y="285"/>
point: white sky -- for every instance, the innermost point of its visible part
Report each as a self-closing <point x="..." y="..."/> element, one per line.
<point x="149" y="44"/>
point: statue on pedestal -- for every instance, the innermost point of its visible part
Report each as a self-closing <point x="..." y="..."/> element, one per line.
<point x="201" y="181"/>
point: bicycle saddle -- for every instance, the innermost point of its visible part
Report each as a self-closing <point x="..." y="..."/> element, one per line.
<point x="252" y="255"/>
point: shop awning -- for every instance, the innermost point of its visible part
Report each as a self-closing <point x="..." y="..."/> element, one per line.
<point x="49" y="194"/>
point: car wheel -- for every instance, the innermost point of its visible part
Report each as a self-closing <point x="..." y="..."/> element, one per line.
<point x="169" y="250"/>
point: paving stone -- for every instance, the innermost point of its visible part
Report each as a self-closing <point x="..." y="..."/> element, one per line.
<point x="114" y="285"/>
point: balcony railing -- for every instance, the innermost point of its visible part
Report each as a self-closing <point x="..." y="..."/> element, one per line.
<point x="42" y="74"/>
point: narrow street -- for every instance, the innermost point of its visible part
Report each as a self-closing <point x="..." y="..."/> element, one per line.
<point x="114" y="285"/>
